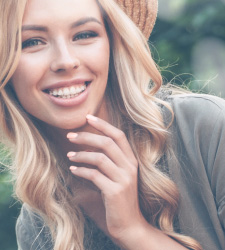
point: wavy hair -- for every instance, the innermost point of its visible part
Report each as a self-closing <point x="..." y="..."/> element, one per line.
<point x="40" y="180"/>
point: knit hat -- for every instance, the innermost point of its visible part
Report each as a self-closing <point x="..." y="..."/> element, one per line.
<point x="142" y="12"/>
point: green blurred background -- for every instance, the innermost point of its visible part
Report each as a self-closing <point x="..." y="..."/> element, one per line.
<point x="188" y="42"/>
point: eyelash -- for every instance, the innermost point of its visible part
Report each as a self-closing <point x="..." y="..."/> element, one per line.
<point x="28" y="43"/>
<point x="84" y="35"/>
<point x="79" y="36"/>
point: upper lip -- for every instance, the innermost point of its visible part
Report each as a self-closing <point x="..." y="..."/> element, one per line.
<point x="63" y="84"/>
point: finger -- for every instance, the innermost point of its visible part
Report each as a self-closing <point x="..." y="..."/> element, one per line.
<point x="117" y="135"/>
<point x="100" y="160"/>
<point x="102" y="143"/>
<point x="93" y="175"/>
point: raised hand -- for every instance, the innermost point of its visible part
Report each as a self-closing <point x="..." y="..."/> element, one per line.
<point x="114" y="172"/>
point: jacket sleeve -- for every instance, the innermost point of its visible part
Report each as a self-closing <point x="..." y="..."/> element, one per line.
<point x="198" y="167"/>
<point x="216" y="163"/>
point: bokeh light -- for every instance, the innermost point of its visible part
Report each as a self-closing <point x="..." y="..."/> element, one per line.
<point x="190" y="44"/>
<point x="208" y="63"/>
<point x="170" y="10"/>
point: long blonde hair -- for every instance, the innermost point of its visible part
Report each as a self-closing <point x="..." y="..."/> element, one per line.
<point x="40" y="181"/>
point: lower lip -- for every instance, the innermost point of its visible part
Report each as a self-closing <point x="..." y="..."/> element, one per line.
<point x="71" y="101"/>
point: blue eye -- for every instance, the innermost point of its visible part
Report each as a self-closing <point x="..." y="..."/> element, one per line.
<point x="31" y="43"/>
<point x="84" y="35"/>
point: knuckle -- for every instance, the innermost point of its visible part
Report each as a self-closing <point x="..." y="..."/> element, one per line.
<point x="134" y="163"/>
<point x="133" y="173"/>
<point x="101" y="158"/>
<point x="134" y="167"/>
<point x="126" y="183"/>
<point x="108" y="142"/>
<point x="120" y="135"/>
<point x="116" y="191"/>
<point x="93" y="175"/>
<point x="129" y="178"/>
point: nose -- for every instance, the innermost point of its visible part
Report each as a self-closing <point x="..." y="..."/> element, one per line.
<point x="64" y="58"/>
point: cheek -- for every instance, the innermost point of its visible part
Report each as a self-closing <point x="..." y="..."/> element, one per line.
<point x="98" y="58"/>
<point x="29" y="71"/>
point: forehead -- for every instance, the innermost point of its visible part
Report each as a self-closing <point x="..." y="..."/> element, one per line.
<point x="41" y="10"/>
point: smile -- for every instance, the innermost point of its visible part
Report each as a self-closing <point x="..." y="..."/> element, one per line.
<point x="68" y="92"/>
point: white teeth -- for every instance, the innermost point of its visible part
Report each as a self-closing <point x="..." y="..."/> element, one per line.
<point x="72" y="90"/>
<point x="55" y="92"/>
<point x="67" y="92"/>
<point x="60" y="92"/>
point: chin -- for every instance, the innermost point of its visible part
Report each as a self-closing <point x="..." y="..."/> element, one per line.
<point x="72" y="125"/>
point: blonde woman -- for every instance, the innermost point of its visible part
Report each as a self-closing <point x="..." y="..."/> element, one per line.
<point x="104" y="159"/>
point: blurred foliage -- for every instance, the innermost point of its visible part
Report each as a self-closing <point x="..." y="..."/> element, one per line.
<point x="9" y="209"/>
<point x="172" y="41"/>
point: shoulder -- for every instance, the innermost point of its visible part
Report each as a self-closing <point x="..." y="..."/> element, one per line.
<point x="31" y="231"/>
<point x="196" y="103"/>
<point x="197" y="112"/>
<point x="198" y="131"/>
<point x="197" y="115"/>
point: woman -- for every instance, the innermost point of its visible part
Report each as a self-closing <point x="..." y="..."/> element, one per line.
<point x="96" y="149"/>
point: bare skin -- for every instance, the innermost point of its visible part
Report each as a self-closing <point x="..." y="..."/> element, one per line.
<point x="115" y="174"/>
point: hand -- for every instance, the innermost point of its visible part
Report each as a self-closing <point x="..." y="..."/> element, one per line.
<point x="115" y="173"/>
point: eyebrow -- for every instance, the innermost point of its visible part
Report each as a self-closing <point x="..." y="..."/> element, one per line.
<point x="34" y="27"/>
<point x="78" y="23"/>
<point x="85" y="20"/>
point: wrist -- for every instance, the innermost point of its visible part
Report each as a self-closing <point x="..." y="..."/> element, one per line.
<point x="135" y="236"/>
<point x="146" y="237"/>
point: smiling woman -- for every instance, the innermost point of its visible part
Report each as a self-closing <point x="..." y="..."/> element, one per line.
<point x="65" y="57"/>
<point x="98" y="155"/>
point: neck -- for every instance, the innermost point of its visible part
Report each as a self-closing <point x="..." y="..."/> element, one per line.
<point x="58" y="136"/>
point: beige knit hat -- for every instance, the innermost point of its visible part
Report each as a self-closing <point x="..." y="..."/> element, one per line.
<point x="142" y="12"/>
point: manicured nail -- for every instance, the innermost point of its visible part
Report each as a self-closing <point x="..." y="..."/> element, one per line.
<point x="92" y="118"/>
<point x="73" y="168"/>
<point x="72" y="135"/>
<point x="71" y="154"/>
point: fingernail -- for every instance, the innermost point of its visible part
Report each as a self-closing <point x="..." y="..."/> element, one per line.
<point x="72" y="135"/>
<point x="92" y="118"/>
<point x="71" y="154"/>
<point x="73" y="168"/>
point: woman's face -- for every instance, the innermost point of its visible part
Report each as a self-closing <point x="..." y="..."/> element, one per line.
<point x="63" y="69"/>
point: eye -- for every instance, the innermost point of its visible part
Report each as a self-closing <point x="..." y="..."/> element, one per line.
<point x="84" y="35"/>
<point x="31" y="43"/>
